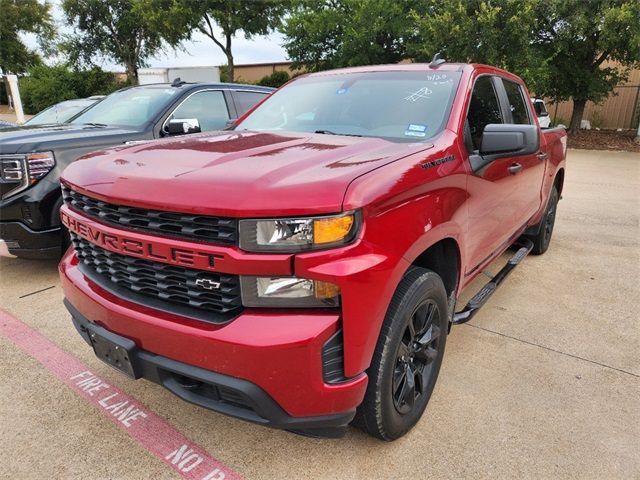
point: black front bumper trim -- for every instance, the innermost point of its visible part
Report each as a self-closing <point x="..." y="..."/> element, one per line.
<point x="24" y="242"/>
<point x="221" y="393"/>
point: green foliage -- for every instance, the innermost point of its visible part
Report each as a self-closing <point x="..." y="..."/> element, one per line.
<point x="45" y="86"/>
<point x="115" y="29"/>
<point x="339" y="33"/>
<point x="219" y="20"/>
<point x="224" y="73"/>
<point x="23" y="16"/>
<point x="596" y="119"/>
<point x="579" y="37"/>
<point x="497" y="33"/>
<point x="275" y="80"/>
<point x="559" y="47"/>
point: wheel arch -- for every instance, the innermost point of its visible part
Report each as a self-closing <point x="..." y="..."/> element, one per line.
<point x="442" y="257"/>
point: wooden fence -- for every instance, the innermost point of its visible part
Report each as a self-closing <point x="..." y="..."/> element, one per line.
<point x="621" y="109"/>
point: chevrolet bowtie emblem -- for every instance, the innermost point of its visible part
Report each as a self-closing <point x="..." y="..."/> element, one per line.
<point x="207" y="284"/>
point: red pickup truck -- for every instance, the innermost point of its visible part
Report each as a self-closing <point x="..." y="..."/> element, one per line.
<point x="301" y="270"/>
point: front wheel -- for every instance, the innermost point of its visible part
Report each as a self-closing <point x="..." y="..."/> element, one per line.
<point x="407" y="358"/>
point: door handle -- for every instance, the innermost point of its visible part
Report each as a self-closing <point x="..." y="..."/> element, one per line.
<point x="514" y="168"/>
<point x="542" y="156"/>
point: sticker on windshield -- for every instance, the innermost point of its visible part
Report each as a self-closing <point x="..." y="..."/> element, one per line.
<point x="424" y="92"/>
<point x="341" y="91"/>
<point x="414" y="127"/>
<point x="412" y="133"/>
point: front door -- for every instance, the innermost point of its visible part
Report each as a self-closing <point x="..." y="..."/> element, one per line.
<point x="493" y="188"/>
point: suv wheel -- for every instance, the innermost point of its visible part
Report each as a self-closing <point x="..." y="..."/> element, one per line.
<point x="407" y="358"/>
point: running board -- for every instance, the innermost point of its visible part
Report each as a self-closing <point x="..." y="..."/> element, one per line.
<point x="480" y="298"/>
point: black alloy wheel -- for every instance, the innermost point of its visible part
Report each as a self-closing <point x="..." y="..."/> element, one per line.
<point x="415" y="357"/>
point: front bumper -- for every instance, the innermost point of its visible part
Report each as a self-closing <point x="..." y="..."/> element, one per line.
<point x="21" y="241"/>
<point x="221" y="393"/>
<point x="275" y="355"/>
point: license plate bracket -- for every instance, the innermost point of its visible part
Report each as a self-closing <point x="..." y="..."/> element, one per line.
<point x="116" y="351"/>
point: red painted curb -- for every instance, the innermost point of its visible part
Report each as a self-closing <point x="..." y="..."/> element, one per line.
<point x="148" y="429"/>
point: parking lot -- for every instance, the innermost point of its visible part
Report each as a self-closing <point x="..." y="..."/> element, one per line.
<point x="543" y="383"/>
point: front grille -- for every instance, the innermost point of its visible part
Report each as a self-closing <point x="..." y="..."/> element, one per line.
<point x="214" y="230"/>
<point x="161" y="286"/>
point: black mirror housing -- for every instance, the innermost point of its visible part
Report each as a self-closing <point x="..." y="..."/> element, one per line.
<point x="183" y="126"/>
<point x="507" y="140"/>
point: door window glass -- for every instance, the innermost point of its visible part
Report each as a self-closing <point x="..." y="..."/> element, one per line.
<point x="484" y="109"/>
<point x="209" y="107"/>
<point x="517" y="105"/>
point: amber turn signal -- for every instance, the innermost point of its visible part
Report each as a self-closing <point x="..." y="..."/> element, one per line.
<point x="331" y="229"/>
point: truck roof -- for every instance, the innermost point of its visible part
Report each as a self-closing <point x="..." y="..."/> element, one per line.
<point x="415" y="67"/>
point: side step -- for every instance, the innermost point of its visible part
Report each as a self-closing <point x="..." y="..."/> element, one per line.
<point x="480" y="298"/>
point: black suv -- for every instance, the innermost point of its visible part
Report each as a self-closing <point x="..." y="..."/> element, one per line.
<point x="32" y="158"/>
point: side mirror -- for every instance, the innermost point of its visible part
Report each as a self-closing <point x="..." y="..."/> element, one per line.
<point x="509" y="140"/>
<point x="182" y="126"/>
<point x="505" y="140"/>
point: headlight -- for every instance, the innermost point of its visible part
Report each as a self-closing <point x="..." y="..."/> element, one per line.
<point x="18" y="172"/>
<point x="298" y="234"/>
<point x="288" y="292"/>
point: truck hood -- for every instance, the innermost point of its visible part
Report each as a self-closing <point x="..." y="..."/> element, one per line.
<point x="32" y="138"/>
<point x="236" y="174"/>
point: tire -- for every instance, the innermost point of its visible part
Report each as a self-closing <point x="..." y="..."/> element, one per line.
<point x="542" y="239"/>
<point x="408" y="355"/>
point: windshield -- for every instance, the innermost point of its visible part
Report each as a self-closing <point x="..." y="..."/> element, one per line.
<point x="132" y="107"/>
<point x="59" y="113"/>
<point x="399" y="105"/>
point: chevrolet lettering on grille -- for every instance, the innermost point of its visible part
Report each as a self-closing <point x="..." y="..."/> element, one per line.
<point x="139" y="248"/>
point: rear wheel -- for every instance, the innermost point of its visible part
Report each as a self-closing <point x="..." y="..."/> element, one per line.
<point x="542" y="239"/>
<point x="407" y="358"/>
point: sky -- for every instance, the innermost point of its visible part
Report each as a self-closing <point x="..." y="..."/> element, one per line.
<point x="201" y="51"/>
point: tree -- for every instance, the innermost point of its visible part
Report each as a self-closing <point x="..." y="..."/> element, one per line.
<point x="275" y="80"/>
<point x="493" y="32"/>
<point x="23" y="16"/>
<point x="578" y="39"/>
<point x="219" y="20"/>
<point x="48" y="85"/>
<point x="114" y="29"/>
<point x="340" y="33"/>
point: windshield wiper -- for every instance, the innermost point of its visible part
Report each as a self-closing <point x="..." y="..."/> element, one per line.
<point x="329" y="132"/>
<point x="93" y="124"/>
